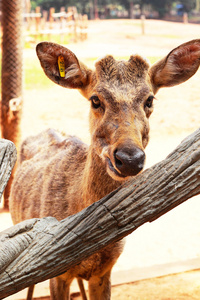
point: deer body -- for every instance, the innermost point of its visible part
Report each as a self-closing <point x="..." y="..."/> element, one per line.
<point x="59" y="175"/>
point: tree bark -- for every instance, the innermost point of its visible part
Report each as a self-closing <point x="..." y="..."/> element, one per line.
<point x="8" y="157"/>
<point x="38" y="249"/>
<point x="11" y="76"/>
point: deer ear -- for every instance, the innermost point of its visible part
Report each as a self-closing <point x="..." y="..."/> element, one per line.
<point x="53" y="57"/>
<point x="178" y="66"/>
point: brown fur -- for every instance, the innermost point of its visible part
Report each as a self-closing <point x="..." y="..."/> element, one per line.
<point x="59" y="175"/>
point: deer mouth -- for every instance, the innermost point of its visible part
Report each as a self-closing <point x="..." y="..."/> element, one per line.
<point x="114" y="172"/>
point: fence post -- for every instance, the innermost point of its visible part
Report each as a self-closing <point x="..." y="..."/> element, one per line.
<point x="27" y="11"/>
<point x="43" y="22"/>
<point x="37" y="21"/>
<point x="85" y="26"/>
<point x="131" y="10"/>
<point x="96" y="15"/>
<point x="51" y="20"/>
<point x="185" y="18"/>
<point x="62" y="24"/>
<point x="143" y="24"/>
<point x="75" y="17"/>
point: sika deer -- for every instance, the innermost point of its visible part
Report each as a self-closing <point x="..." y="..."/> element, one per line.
<point x="59" y="176"/>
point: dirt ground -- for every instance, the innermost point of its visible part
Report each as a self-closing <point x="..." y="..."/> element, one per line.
<point x="175" y="236"/>
<point x="173" y="287"/>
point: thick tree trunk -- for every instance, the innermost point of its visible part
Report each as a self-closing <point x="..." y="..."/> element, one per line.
<point x="11" y="75"/>
<point x="38" y="249"/>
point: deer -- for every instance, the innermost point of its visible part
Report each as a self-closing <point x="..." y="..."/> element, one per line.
<point x="58" y="175"/>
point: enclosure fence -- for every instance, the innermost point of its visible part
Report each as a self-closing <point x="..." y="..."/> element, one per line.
<point x="46" y="24"/>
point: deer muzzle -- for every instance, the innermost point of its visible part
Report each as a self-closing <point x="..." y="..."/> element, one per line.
<point x="125" y="161"/>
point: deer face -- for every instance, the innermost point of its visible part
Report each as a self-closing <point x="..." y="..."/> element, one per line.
<point x="121" y="103"/>
<point x="121" y="96"/>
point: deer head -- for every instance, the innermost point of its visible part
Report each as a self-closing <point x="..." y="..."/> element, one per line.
<point x="121" y="95"/>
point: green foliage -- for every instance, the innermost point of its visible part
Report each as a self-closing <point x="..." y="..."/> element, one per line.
<point x="161" y="6"/>
<point x="188" y="5"/>
<point x="47" y="4"/>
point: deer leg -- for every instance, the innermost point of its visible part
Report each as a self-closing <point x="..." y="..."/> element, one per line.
<point x="82" y="288"/>
<point x="100" y="287"/>
<point x="30" y="292"/>
<point x="59" y="289"/>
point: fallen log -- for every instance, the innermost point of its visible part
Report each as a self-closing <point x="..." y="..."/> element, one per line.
<point x="38" y="249"/>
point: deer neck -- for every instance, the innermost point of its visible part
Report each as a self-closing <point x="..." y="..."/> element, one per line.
<point x="96" y="183"/>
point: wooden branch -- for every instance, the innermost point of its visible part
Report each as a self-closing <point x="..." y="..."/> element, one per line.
<point x="8" y="157"/>
<point x="38" y="249"/>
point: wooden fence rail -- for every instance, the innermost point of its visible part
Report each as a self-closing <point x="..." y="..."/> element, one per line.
<point x="38" y="249"/>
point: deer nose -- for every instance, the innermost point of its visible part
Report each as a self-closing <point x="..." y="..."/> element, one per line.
<point x="129" y="161"/>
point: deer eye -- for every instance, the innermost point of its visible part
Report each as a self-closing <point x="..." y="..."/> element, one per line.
<point x="149" y="102"/>
<point x="96" y="103"/>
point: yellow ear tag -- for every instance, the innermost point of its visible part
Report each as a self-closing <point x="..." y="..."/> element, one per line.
<point x="61" y="65"/>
